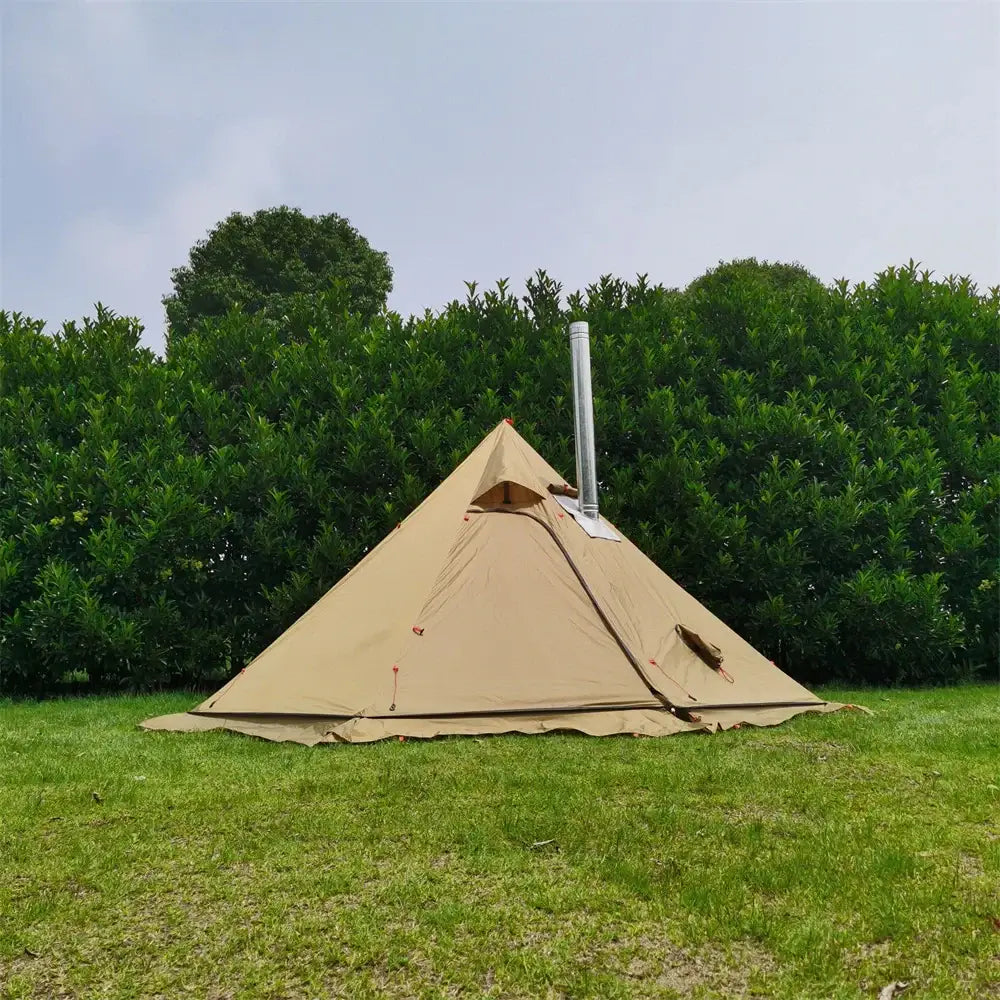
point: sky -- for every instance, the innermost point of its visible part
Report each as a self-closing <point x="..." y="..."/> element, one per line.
<point x="479" y="141"/>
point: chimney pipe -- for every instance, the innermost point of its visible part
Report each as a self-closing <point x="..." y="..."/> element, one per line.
<point x="583" y="417"/>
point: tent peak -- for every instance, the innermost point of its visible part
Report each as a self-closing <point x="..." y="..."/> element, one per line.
<point x="512" y="461"/>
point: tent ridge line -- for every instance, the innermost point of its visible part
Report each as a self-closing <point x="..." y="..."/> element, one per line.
<point x="761" y="704"/>
<point x="485" y="713"/>
<point x="578" y="710"/>
<point x="584" y="710"/>
<point x="678" y="710"/>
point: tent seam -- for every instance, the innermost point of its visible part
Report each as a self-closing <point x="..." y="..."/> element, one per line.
<point x="678" y="710"/>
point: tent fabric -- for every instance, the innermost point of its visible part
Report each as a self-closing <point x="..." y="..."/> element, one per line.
<point x="311" y="731"/>
<point x="490" y="610"/>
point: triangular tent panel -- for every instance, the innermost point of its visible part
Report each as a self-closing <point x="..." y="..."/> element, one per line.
<point x="490" y="610"/>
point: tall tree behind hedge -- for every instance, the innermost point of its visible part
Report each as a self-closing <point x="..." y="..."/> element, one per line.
<point x="262" y="262"/>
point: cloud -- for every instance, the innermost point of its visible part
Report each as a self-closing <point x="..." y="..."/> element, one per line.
<point x="79" y="67"/>
<point x="242" y="169"/>
<point x="474" y="141"/>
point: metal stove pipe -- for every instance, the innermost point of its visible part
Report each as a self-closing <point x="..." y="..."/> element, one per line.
<point x="583" y="417"/>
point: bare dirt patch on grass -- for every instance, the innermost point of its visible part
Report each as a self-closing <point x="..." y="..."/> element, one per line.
<point x="656" y="966"/>
<point x="680" y="971"/>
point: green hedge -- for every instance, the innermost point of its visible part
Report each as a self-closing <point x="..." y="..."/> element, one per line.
<point x="818" y="465"/>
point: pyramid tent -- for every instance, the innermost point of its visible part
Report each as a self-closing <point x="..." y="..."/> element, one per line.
<point x="490" y="610"/>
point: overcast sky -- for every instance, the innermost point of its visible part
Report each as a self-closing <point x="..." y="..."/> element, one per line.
<point x="479" y="141"/>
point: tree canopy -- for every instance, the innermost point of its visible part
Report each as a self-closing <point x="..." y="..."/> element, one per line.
<point x="265" y="262"/>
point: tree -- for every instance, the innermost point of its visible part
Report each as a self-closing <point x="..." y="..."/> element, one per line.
<point x="263" y="263"/>
<point x="774" y="274"/>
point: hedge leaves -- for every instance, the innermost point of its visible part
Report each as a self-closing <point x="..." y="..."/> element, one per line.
<point x="820" y="466"/>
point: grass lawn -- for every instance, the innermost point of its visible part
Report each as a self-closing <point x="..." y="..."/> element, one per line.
<point x="821" y="859"/>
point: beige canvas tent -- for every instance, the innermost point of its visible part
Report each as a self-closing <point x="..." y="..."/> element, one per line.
<point x="501" y="605"/>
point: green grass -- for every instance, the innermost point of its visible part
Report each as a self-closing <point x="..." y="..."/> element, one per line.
<point x="820" y="859"/>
